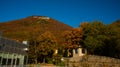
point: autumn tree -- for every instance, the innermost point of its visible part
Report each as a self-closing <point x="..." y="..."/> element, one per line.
<point x="72" y="39"/>
<point x="47" y="45"/>
<point x="32" y="38"/>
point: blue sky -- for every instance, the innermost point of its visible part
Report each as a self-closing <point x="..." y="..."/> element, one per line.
<point x="71" y="12"/>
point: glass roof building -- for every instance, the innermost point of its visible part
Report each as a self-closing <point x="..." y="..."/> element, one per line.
<point x="12" y="53"/>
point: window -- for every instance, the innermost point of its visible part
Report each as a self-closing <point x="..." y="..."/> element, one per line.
<point x="83" y="51"/>
<point x="76" y="51"/>
<point x="0" y="47"/>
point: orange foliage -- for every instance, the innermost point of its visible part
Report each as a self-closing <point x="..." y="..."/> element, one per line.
<point x="72" y="38"/>
<point x="23" y="28"/>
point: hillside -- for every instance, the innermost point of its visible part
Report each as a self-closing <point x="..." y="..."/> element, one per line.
<point x="25" y="28"/>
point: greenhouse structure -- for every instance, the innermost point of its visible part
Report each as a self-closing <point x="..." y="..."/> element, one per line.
<point x="12" y="53"/>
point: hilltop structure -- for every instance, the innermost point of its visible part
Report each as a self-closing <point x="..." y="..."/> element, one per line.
<point x="41" y="17"/>
<point x="12" y="53"/>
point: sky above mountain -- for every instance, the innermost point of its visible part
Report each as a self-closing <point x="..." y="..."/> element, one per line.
<point x="71" y="12"/>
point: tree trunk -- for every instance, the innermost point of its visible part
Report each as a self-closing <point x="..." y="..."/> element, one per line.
<point x="36" y="60"/>
<point x="35" y="53"/>
<point x="44" y="60"/>
<point x="67" y="52"/>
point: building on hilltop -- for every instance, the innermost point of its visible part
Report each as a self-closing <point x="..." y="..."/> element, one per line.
<point x="41" y="17"/>
<point x="12" y="53"/>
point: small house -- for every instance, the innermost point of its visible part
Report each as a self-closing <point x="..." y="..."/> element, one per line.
<point x="79" y="51"/>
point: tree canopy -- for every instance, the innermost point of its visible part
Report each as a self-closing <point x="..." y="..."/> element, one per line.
<point x="96" y="37"/>
<point x="101" y="39"/>
<point x="72" y="38"/>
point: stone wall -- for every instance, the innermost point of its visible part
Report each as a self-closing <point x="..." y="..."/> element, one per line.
<point x="92" y="61"/>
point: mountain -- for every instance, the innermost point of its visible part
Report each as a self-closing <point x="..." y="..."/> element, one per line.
<point x="25" y="28"/>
